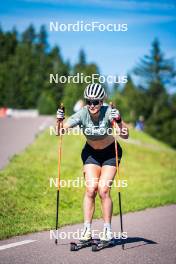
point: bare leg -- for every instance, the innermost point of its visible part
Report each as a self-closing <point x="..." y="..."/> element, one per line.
<point x="104" y="187"/>
<point x="92" y="174"/>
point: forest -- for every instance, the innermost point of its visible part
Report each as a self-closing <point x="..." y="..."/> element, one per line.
<point x="27" y="60"/>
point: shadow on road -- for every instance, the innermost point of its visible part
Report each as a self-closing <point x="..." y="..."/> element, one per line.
<point x="119" y="242"/>
<point x="132" y="240"/>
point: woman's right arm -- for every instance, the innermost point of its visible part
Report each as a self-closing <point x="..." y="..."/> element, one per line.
<point x="60" y="116"/>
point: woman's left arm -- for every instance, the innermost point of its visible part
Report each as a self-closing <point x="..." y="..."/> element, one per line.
<point x="119" y="124"/>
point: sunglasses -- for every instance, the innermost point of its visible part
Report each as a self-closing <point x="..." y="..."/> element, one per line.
<point x="94" y="102"/>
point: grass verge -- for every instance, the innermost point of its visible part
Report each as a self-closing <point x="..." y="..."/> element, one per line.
<point x="28" y="203"/>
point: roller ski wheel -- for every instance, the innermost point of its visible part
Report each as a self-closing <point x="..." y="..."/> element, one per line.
<point x="81" y="244"/>
<point x="96" y="246"/>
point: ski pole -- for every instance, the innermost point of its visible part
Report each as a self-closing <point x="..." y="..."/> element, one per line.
<point x="118" y="173"/>
<point x="60" y="126"/>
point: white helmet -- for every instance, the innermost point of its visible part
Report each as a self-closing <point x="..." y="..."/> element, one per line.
<point x="94" y="92"/>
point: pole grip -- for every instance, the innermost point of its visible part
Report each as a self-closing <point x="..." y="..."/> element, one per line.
<point x="59" y="120"/>
<point x="60" y="125"/>
<point x="113" y="122"/>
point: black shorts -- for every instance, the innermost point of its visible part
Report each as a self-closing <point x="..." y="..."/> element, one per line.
<point x="101" y="157"/>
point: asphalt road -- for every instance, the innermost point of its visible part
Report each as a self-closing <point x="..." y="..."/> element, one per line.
<point x="151" y="240"/>
<point x="17" y="133"/>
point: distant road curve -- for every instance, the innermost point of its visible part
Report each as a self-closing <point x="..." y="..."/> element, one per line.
<point x="17" y="133"/>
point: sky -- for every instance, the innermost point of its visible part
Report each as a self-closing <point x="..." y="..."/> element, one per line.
<point x="114" y="52"/>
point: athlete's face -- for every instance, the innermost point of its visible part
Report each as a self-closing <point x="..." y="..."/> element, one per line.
<point x="94" y="106"/>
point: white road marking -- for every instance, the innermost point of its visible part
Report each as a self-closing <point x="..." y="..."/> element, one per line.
<point x="16" y="244"/>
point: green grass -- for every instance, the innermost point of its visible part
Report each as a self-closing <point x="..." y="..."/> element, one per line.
<point x="27" y="203"/>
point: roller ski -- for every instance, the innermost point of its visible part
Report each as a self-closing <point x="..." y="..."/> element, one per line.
<point x="86" y="241"/>
<point x="105" y="242"/>
<point x="81" y="244"/>
<point x="99" y="245"/>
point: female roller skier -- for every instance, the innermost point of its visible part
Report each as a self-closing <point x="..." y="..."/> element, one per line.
<point x="98" y="154"/>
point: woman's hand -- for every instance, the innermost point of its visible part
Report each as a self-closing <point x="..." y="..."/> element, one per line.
<point x="115" y="115"/>
<point x="119" y="124"/>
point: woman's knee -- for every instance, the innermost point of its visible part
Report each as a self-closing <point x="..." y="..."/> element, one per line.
<point x="104" y="192"/>
<point x="91" y="192"/>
